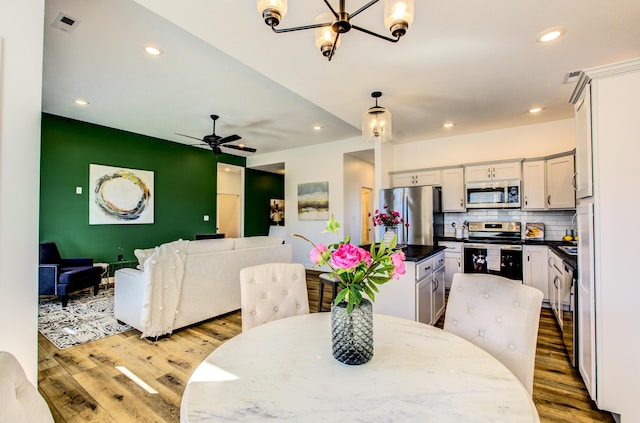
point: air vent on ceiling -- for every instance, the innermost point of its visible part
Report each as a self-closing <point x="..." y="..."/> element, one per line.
<point x="571" y="77"/>
<point x="65" y="22"/>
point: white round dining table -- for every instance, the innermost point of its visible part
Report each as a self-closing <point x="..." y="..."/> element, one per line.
<point x="283" y="371"/>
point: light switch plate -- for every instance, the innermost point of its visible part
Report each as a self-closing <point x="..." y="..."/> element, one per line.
<point x="78" y="190"/>
<point x="206" y="217"/>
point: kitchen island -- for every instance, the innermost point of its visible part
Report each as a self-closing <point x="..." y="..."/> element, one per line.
<point x="419" y="293"/>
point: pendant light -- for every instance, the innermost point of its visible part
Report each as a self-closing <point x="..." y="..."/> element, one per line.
<point x="376" y="122"/>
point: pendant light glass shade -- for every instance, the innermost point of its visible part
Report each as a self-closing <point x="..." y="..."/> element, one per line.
<point x="325" y="36"/>
<point x="376" y="122"/>
<point x="398" y="16"/>
<point x="272" y="11"/>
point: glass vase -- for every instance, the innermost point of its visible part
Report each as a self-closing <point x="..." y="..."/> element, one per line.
<point x="352" y="333"/>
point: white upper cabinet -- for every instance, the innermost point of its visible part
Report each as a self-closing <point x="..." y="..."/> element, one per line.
<point x="417" y="178"/>
<point x="453" y="190"/>
<point x="560" y="191"/>
<point x="492" y="171"/>
<point x="584" y="150"/>
<point x="534" y="187"/>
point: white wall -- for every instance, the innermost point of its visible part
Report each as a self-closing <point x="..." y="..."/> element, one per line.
<point x="518" y="142"/>
<point x="21" y="35"/>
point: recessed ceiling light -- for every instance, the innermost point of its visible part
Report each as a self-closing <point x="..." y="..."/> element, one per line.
<point x="154" y="51"/>
<point x="448" y="125"/>
<point x="551" y="34"/>
<point x="226" y="169"/>
<point x="317" y="127"/>
<point x="535" y="109"/>
<point x="81" y="101"/>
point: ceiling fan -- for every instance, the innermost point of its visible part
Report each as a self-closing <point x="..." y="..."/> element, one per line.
<point x="216" y="141"/>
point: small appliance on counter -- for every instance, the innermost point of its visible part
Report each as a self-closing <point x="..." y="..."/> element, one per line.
<point x="534" y="231"/>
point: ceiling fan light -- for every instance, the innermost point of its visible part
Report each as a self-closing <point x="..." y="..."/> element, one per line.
<point x="272" y="11"/>
<point x="325" y="36"/>
<point x="398" y="16"/>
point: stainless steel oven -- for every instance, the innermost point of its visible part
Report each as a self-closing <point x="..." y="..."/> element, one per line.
<point x="494" y="248"/>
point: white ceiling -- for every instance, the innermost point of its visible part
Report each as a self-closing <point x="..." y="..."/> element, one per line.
<point x="476" y="63"/>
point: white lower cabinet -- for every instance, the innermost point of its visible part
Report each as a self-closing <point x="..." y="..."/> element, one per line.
<point x="452" y="260"/>
<point x="559" y="287"/>
<point x="536" y="272"/>
<point x="418" y="295"/>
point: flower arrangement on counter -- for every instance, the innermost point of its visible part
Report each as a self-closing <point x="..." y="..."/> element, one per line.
<point x="387" y="218"/>
<point x="358" y="271"/>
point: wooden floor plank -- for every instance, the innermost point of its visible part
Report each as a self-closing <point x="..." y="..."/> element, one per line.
<point x="81" y="383"/>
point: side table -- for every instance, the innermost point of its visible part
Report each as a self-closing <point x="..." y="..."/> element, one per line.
<point x="115" y="265"/>
<point x="104" y="277"/>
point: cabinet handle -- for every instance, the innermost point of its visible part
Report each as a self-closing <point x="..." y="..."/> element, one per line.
<point x="489" y="173"/>
<point x="549" y="260"/>
<point x="435" y="285"/>
<point x="528" y="257"/>
<point x="493" y="175"/>
<point x="574" y="182"/>
<point x="461" y="202"/>
<point x="526" y="201"/>
<point x="555" y="282"/>
<point x="549" y="199"/>
<point x="459" y="264"/>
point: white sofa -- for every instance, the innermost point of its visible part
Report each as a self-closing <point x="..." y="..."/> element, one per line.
<point x="210" y="278"/>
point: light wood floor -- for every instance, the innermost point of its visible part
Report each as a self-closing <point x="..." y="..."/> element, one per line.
<point x="81" y="384"/>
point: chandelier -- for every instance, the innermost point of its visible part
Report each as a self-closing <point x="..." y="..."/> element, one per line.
<point x="398" y="16"/>
<point x="376" y="122"/>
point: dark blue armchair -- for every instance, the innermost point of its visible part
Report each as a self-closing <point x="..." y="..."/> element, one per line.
<point x="61" y="277"/>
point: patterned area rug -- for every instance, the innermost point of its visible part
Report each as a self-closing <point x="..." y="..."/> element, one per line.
<point x="86" y="318"/>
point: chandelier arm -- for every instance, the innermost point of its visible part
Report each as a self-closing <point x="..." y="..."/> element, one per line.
<point x="363" y="8"/>
<point x="333" y="47"/>
<point x="299" y="28"/>
<point x="335" y="14"/>
<point x="366" y="31"/>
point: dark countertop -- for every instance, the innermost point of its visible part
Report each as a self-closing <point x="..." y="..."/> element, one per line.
<point x="415" y="252"/>
<point x="421" y="252"/>
<point x="567" y="258"/>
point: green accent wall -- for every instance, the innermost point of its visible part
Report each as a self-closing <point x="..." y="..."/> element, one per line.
<point x="184" y="181"/>
<point x="260" y="187"/>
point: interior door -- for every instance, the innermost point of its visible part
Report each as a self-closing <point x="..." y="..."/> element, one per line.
<point x="366" y="208"/>
<point x="229" y="215"/>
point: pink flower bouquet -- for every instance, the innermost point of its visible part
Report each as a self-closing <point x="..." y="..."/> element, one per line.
<point x="358" y="271"/>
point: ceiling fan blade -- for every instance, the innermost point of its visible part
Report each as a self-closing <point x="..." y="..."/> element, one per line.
<point x="230" y="138"/>
<point x="237" y="147"/>
<point x="189" y="136"/>
<point x="216" y="150"/>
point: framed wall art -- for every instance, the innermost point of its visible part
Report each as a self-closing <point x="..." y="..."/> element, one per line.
<point x="313" y="201"/>
<point x="120" y="196"/>
<point x="276" y="212"/>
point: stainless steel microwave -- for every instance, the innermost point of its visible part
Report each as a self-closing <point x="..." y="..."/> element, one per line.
<point x="493" y="194"/>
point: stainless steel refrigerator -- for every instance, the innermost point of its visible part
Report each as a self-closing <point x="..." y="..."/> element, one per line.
<point x="421" y="208"/>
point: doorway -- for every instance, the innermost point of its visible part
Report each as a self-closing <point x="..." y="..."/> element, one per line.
<point x="230" y="200"/>
<point x="366" y="209"/>
<point x="229" y="215"/>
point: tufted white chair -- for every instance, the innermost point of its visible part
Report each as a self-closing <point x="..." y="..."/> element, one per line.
<point x="272" y="291"/>
<point x="20" y="401"/>
<point x="498" y="315"/>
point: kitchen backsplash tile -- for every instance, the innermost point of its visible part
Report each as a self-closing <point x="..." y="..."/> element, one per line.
<point x="555" y="222"/>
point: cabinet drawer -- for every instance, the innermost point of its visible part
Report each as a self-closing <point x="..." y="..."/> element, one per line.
<point x="451" y="246"/>
<point x="424" y="268"/>
<point x="438" y="261"/>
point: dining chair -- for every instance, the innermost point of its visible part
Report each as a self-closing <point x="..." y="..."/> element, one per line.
<point x="20" y="401"/>
<point x="272" y="291"/>
<point x="500" y="316"/>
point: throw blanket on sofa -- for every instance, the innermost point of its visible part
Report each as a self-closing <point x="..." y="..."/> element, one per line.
<point x="164" y="270"/>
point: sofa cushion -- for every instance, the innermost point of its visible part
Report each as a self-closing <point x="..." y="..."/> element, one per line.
<point x="257" y="241"/>
<point x="142" y="255"/>
<point x="210" y="245"/>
